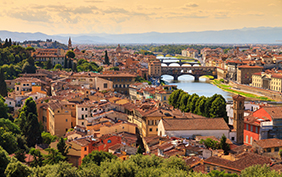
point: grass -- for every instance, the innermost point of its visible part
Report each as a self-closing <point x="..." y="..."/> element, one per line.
<point x="210" y="77"/>
<point x="249" y="95"/>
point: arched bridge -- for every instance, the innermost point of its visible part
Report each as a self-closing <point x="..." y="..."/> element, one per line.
<point x="180" y="61"/>
<point x="196" y="71"/>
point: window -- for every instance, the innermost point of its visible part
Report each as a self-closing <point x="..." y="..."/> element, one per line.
<point x="164" y="97"/>
<point x="85" y="109"/>
<point x="251" y="128"/>
<point x="72" y="105"/>
<point x="214" y="168"/>
<point x="247" y="138"/>
<point x="66" y="120"/>
<point x="276" y="149"/>
<point x="82" y="116"/>
<point x="23" y="84"/>
<point x="268" y="150"/>
<point x="208" y="169"/>
<point x="251" y="140"/>
<point x="247" y="127"/>
<point x="85" y="115"/>
<point x="82" y="123"/>
<point x="82" y="109"/>
<point x="85" y="148"/>
<point x="256" y="129"/>
<point x="27" y="84"/>
<point x="109" y="141"/>
<point x="151" y="129"/>
<point x="105" y="85"/>
<point x="156" y="129"/>
<point x="17" y="88"/>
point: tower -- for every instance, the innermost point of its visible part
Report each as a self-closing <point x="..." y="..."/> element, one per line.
<point x="69" y="44"/>
<point x="238" y="115"/>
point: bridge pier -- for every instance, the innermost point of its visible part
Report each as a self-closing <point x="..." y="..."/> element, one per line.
<point x="196" y="78"/>
<point x="175" y="77"/>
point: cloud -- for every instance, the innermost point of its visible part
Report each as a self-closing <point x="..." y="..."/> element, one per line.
<point x="32" y="16"/>
<point x="92" y="1"/>
<point x="191" y="5"/>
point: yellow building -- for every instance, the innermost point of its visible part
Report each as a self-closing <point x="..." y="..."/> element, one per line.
<point x="155" y="68"/>
<point x="118" y="128"/>
<point x="59" y="118"/>
<point x="268" y="147"/>
<point x="271" y="81"/>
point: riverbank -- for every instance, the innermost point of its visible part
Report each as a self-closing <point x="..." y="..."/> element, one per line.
<point x="247" y="94"/>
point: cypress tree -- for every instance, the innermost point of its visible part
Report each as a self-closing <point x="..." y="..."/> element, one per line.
<point x="3" y="86"/>
<point x="61" y="146"/>
<point x="49" y="64"/>
<point x="32" y="130"/>
<point x="106" y="58"/>
<point x="66" y="63"/>
<point x="10" y="42"/>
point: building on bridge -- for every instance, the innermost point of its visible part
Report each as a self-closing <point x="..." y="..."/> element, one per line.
<point x="155" y="69"/>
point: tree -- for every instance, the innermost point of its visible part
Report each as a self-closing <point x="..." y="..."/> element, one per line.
<point x="20" y="155"/>
<point x="216" y="173"/>
<point x="3" y="85"/>
<point x="106" y="58"/>
<point x="61" y="169"/>
<point x="115" y="68"/>
<point x="280" y="154"/>
<point x="74" y="67"/>
<point x="62" y="147"/>
<point x="223" y="145"/>
<point x="183" y="102"/>
<point x="5" y="160"/>
<point x="53" y="157"/>
<point x="208" y="104"/>
<point x="58" y="66"/>
<point x="8" y="141"/>
<point x="192" y="103"/>
<point x="173" y="98"/>
<point x="139" y="150"/>
<point x="16" y="169"/>
<point x="3" y="108"/>
<point x="66" y="63"/>
<point x="200" y="106"/>
<point x="97" y="157"/>
<point x="70" y="54"/>
<point x="37" y="157"/>
<point x="209" y="143"/>
<point x="32" y="130"/>
<point x="49" y="64"/>
<point x="27" y="68"/>
<point x="259" y="171"/>
<point x="47" y="138"/>
<point x="218" y="108"/>
<point x="179" y="99"/>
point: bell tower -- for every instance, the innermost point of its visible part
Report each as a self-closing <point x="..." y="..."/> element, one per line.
<point x="69" y="44"/>
<point x="238" y="115"/>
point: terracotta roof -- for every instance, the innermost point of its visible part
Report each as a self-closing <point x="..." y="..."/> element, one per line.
<point x="195" y="124"/>
<point x="247" y="66"/>
<point x="246" y="160"/>
<point x="269" y="143"/>
<point x="238" y="97"/>
<point x="275" y="112"/>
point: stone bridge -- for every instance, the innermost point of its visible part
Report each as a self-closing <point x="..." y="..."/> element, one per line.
<point x="179" y="61"/>
<point x="196" y="71"/>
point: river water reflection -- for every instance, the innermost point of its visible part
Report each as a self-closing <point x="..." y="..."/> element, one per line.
<point x="201" y="87"/>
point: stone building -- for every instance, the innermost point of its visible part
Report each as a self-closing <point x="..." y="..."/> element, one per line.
<point x="245" y="72"/>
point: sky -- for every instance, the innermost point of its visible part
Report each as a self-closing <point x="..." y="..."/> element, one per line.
<point x="136" y="16"/>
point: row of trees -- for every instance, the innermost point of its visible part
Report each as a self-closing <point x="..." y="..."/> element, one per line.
<point x="99" y="163"/>
<point x="211" y="107"/>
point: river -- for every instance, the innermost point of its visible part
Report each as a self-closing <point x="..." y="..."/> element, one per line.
<point x="203" y="87"/>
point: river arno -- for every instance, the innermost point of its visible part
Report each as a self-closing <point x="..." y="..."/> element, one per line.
<point x="202" y="87"/>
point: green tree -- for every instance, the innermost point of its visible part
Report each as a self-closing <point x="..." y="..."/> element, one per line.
<point x="106" y="58"/>
<point x="3" y="108"/>
<point x="5" y="160"/>
<point x="200" y="106"/>
<point x="74" y="69"/>
<point x="61" y="169"/>
<point x="183" y="102"/>
<point x="8" y="141"/>
<point x="62" y="147"/>
<point x="115" y="68"/>
<point x="173" y="98"/>
<point x="47" y="138"/>
<point x="37" y="158"/>
<point x="32" y="130"/>
<point x="218" y="108"/>
<point x="27" y="68"/>
<point x="16" y="169"/>
<point x="3" y="86"/>
<point x="66" y="63"/>
<point x="216" y="173"/>
<point x="53" y="157"/>
<point x="20" y="155"/>
<point x="192" y="103"/>
<point x="70" y="54"/>
<point x="208" y="105"/>
<point x="49" y="64"/>
<point x="139" y="150"/>
<point x="97" y="157"/>
<point x="58" y="66"/>
<point x="179" y="99"/>
<point x="175" y="163"/>
<point x="209" y="143"/>
<point x="223" y="145"/>
<point x="259" y="171"/>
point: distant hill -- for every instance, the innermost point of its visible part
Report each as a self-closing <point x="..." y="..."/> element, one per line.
<point x="245" y="35"/>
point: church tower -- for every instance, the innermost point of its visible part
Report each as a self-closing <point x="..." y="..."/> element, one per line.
<point x="69" y="44"/>
<point x="238" y="115"/>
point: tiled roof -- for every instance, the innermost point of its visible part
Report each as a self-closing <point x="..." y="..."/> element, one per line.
<point x="195" y="124"/>
<point x="275" y="111"/>
<point x="246" y="160"/>
<point x="269" y="143"/>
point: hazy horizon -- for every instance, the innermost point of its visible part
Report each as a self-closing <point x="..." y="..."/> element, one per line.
<point x="133" y="17"/>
